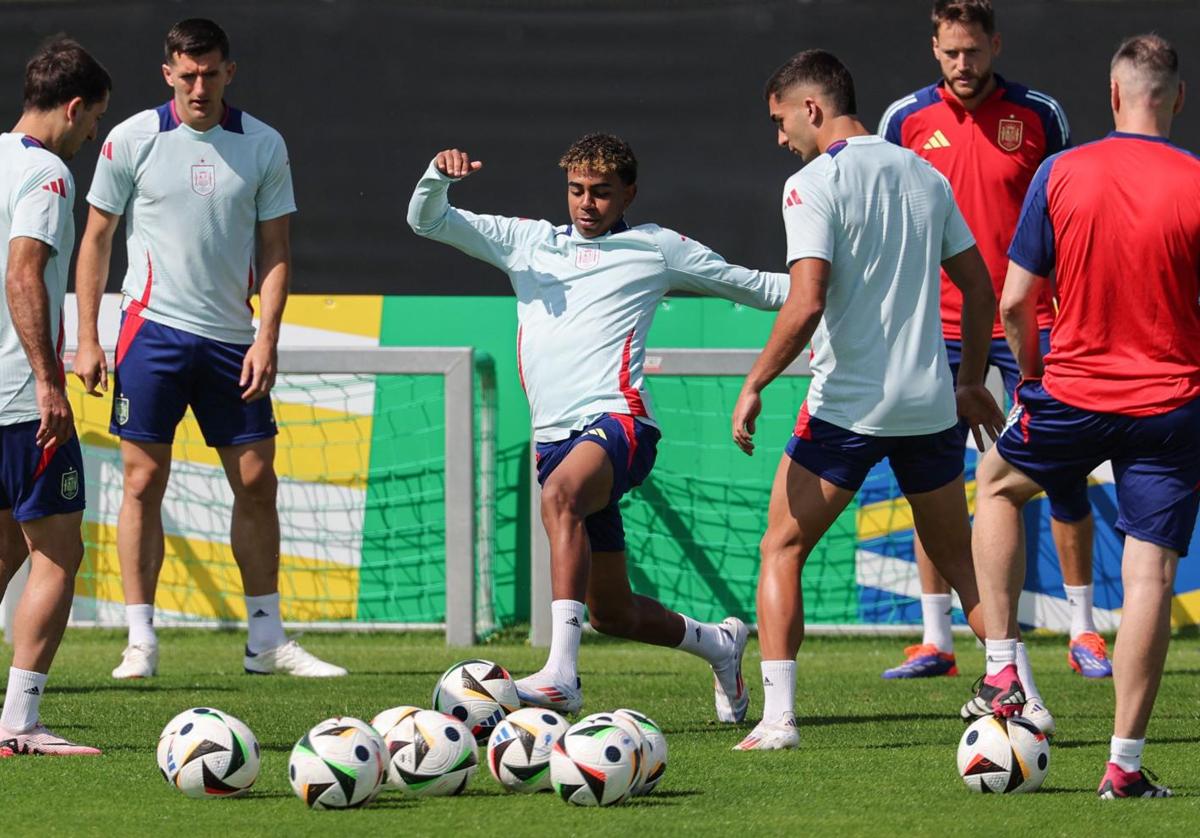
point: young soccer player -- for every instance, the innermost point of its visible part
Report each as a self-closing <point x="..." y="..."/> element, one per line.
<point x="200" y="180"/>
<point x="586" y="295"/>
<point x="988" y="135"/>
<point x="868" y="224"/>
<point x="1118" y="222"/>
<point x="41" y="465"/>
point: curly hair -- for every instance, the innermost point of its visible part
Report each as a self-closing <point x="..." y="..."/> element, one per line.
<point x="602" y="153"/>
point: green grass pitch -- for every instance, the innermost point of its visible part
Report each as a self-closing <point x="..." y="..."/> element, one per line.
<point x="877" y="757"/>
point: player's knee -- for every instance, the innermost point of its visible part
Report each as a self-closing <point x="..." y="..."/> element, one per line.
<point x="559" y="501"/>
<point x="145" y="482"/>
<point x="777" y="547"/>
<point x="258" y="487"/>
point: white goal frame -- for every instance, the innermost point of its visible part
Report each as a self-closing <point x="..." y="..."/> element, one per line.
<point x="457" y="365"/>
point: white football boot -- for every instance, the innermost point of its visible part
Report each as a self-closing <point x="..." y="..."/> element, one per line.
<point x="547" y="691"/>
<point x="43" y="742"/>
<point x="772" y="736"/>
<point x="290" y="659"/>
<point x="729" y="690"/>
<point x="139" y="660"/>
<point x="1035" y="711"/>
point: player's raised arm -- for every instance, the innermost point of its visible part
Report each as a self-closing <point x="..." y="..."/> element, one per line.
<point x="494" y="239"/>
<point x="693" y="267"/>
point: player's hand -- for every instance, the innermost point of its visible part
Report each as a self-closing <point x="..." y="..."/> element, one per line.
<point x="58" y="423"/>
<point x="745" y="412"/>
<point x="91" y="367"/>
<point x="979" y="410"/>
<point x="258" y="370"/>
<point x="455" y="163"/>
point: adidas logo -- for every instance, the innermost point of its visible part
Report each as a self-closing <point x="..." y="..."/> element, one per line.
<point x="767" y="682"/>
<point x="936" y="140"/>
<point x="58" y="187"/>
<point x="33" y="691"/>
<point x="697" y="634"/>
<point x="260" y="613"/>
<point x="793" y="199"/>
<point x="574" y="621"/>
<point x="106" y="151"/>
<point x="598" y="432"/>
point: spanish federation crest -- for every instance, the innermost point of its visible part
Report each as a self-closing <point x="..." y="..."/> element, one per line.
<point x="204" y="179"/>
<point x="1010" y="134"/>
<point x="122" y="411"/>
<point x="587" y="256"/>
<point x="69" y="488"/>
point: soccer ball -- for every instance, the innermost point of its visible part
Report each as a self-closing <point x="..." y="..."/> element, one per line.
<point x="478" y="693"/>
<point x="388" y="719"/>
<point x="430" y="754"/>
<point x="654" y="754"/>
<point x="631" y="727"/>
<point x="340" y="764"/>
<point x="207" y="753"/>
<point x="1003" y="757"/>
<point x="518" y="751"/>
<point x="595" y="763"/>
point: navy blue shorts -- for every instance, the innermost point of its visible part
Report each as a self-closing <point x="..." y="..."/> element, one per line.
<point x="1155" y="459"/>
<point x="161" y="371"/>
<point x="1070" y="505"/>
<point x="921" y="463"/>
<point x="37" y="483"/>
<point x="631" y="446"/>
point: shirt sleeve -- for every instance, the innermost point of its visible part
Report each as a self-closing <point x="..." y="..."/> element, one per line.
<point x="112" y="184"/>
<point x="809" y="219"/>
<point x="43" y="206"/>
<point x="1058" y="130"/>
<point x="693" y="267"/>
<point x="1033" y="243"/>
<point x="890" y="124"/>
<point x="275" y="197"/>
<point x="496" y="239"/>
<point x="956" y="234"/>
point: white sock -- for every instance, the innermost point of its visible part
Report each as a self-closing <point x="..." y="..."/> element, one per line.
<point x="779" y="690"/>
<point x="266" y="625"/>
<point x="1079" y="598"/>
<point x="1127" y="753"/>
<point x="141" y="625"/>
<point x="1025" y="673"/>
<point x="1000" y="653"/>
<point x="935" y="614"/>
<point x="565" y="631"/>
<point x="22" y="700"/>
<point x="705" y="640"/>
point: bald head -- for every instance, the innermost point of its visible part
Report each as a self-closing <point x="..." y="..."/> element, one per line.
<point x="1146" y="68"/>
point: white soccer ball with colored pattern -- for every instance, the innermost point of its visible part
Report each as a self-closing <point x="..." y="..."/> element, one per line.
<point x="478" y="693"/>
<point x="207" y="753"/>
<point x="340" y="764"/>
<point x="518" y="752"/>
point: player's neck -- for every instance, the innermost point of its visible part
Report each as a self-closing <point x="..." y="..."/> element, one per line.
<point x="840" y="128"/>
<point x="979" y="98"/>
<point x="42" y="127"/>
<point x="1148" y="124"/>
<point x="199" y="125"/>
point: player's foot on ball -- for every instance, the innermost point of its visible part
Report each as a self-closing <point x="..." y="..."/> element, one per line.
<point x="996" y="695"/>
<point x="1035" y="711"/>
<point x="550" y="692"/>
<point x="772" y="736"/>
<point x="1118" y="782"/>
<point x="1088" y="655"/>
<point x="139" y="660"/>
<point x="41" y="741"/>
<point x="290" y="659"/>
<point x="924" y="660"/>
<point x="729" y="689"/>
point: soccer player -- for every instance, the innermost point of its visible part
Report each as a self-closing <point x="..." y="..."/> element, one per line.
<point x="586" y="295"/>
<point x="200" y="180"/>
<point x="1118" y="221"/>
<point x="868" y="224"/>
<point x="41" y="465"/>
<point x="988" y="135"/>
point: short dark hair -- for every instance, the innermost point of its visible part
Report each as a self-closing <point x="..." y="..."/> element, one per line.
<point x="195" y="36"/>
<point x="60" y="71"/>
<point x="964" y="12"/>
<point x="602" y="153"/>
<point x="1151" y="54"/>
<point x="816" y="66"/>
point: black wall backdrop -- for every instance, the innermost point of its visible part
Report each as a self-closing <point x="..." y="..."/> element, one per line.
<point x="366" y="92"/>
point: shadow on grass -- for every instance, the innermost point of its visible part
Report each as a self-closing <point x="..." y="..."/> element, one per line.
<point x="1092" y="743"/>
<point x="142" y="688"/>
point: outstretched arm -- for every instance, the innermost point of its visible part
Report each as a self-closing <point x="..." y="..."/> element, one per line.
<point x="793" y="329"/>
<point x="693" y="267"/>
<point x="491" y="238"/>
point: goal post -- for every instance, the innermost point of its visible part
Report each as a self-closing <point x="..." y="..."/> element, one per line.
<point x="386" y="458"/>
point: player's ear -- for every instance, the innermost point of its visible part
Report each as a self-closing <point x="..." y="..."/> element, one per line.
<point x="996" y="45"/>
<point x="933" y="42"/>
<point x="230" y="69"/>
<point x="1114" y="93"/>
<point x="74" y="107"/>
<point x="166" y="70"/>
<point x="1179" y="99"/>
<point x="630" y="193"/>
